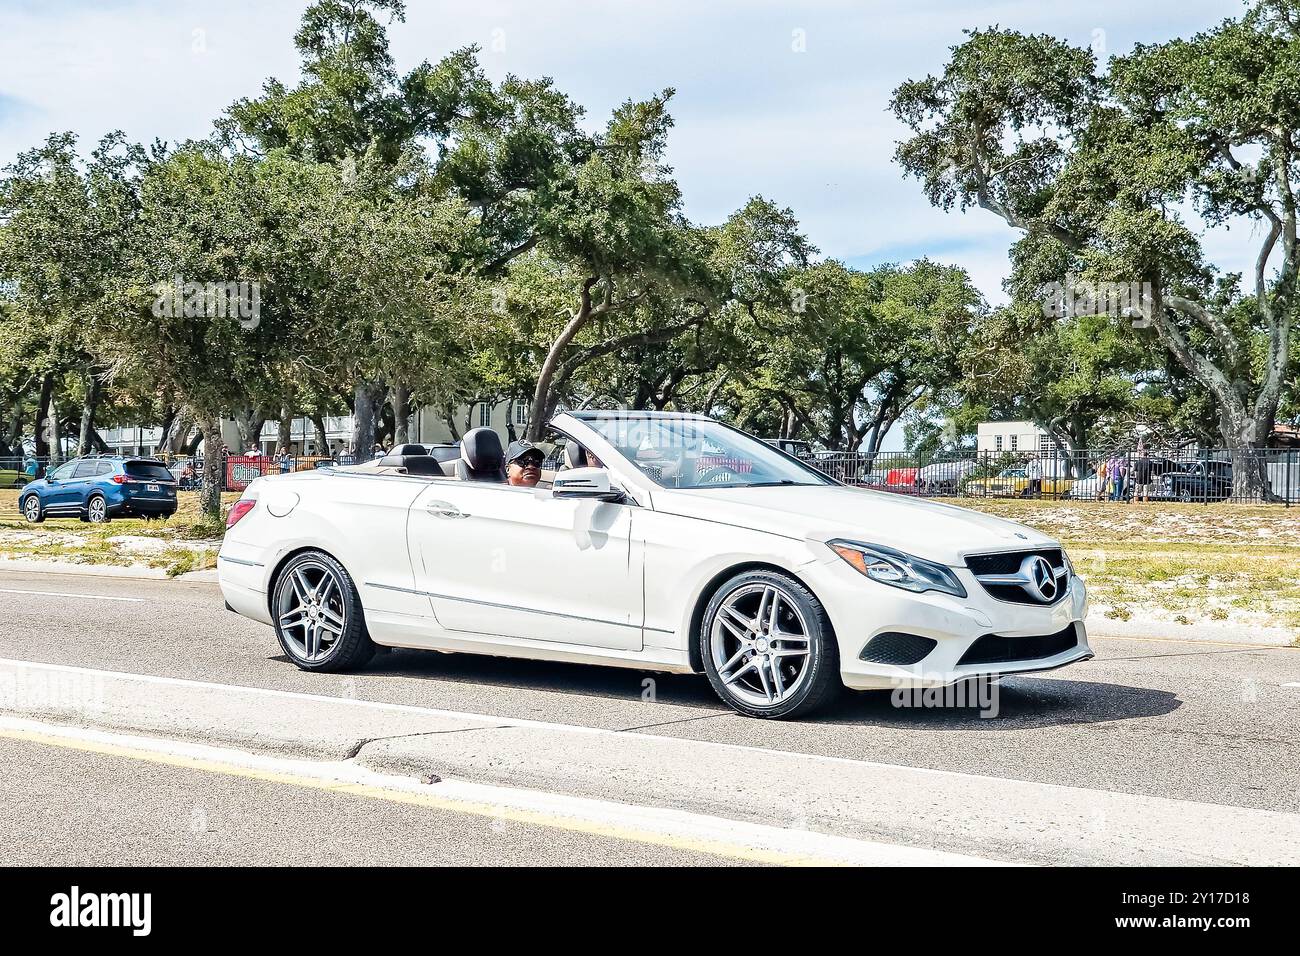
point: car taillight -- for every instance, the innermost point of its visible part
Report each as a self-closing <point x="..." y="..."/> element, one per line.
<point x="240" y="508"/>
<point x="119" y="479"/>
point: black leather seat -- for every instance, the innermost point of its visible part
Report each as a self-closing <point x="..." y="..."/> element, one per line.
<point x="409" y="449"/>
<point x="413" y="464"/>
<point x="481" y="456"/>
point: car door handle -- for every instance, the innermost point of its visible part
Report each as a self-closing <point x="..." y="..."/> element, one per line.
<point x="445" y="509"/>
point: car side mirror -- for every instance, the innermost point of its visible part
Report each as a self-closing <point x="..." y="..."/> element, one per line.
<point x="585" y="483"/>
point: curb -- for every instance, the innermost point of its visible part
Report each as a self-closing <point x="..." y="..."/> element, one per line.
<point x="137" y="571"/>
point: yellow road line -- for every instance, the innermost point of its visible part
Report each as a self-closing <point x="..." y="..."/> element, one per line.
<point x="430" y="800"/>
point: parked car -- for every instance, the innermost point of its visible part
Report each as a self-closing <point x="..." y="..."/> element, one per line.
<point x="1016" y="483"/>
<point x="1206" y="480"/>
<point x="796" y="447"/>
<point x="695" y="549"/>
<point x="943" y="477"/>
<point x="98" y="488"/>
<point x="1007" y="483"/>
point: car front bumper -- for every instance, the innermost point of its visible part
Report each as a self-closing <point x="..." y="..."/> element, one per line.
<point x="959" y="638"/>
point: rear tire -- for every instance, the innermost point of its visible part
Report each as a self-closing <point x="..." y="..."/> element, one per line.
<point x="768" y="647"/>
<point x="319" y="621"/>
<point x="97" y="510"/>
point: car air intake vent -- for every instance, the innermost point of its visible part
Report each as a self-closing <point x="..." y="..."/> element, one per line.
<point x="1009" y="562"/>
<point x="895" y="648"/>
<point x="996" y="649"/>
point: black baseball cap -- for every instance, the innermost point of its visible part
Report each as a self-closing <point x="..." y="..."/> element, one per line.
<point x="518" y="449"/>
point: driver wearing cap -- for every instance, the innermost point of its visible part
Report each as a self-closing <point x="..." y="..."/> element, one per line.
<point x="524" y="464"/>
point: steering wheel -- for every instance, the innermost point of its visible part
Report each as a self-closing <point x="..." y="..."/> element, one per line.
<point x="716" y="473"/>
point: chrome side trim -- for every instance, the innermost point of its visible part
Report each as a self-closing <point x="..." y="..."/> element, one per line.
<point x="249" y="564"/>
<point x="506" y="607"/>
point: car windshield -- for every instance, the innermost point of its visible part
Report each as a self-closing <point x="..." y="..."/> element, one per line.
<point x="700" y="453"/>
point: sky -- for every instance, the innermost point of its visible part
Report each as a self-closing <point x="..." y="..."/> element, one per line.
<point x="787" y="100"/>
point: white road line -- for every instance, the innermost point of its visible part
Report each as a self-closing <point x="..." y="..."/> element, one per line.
<point x="73" y="594"/>
<point x="661" y="826"/>
<point x="1294" y="683"/>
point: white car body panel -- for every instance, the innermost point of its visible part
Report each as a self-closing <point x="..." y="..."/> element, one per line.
<point x="524" y="574"/>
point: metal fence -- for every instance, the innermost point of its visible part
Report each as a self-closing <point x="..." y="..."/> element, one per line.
<point x="1081" y="474"/>
<point x="1084" y="474"/>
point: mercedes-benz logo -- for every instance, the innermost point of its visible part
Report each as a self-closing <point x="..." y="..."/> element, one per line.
<point x="1040" y="579"/>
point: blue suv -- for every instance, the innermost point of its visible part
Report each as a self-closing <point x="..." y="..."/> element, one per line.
<point x="100" y="487"/>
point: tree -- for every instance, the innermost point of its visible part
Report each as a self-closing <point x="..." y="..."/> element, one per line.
<point x="63" y="229"/>
<point x="1096" y="170"/>
<point x="849" y="352"/>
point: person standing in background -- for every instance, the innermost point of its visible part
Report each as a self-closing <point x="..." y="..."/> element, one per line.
<point x="1118" y="473"/>
<point x="1142" y="477"/>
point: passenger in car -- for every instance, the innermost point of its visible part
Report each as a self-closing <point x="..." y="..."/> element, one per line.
<point x="524" y="464"/>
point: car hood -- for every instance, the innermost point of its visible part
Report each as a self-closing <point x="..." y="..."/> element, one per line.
<point x="927" y="529"/>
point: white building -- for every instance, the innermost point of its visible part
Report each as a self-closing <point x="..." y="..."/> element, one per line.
<point x="994" y="437"/>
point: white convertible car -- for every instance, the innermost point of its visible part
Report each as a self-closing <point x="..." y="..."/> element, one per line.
<point x="663" y="542"/>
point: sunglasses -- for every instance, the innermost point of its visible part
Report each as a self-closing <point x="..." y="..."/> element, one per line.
<point x="529" y="461"/>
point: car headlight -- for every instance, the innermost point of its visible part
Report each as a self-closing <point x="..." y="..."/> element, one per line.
<point x="897" y="569"/>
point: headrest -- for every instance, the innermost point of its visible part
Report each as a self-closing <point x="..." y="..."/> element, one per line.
<point x="481" y="450"/>
<point x="410" y="449"/>
<point x="575" y="456"/>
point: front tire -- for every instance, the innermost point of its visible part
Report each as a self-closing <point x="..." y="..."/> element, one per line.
<point x="319" y="621"/>
<point x="768" y="647"/>
<point x="32" y="509"/>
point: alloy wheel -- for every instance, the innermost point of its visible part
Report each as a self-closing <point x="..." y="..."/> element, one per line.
<point x="97" y="510"/>
<point x="759" y="644"/>
<point x="310" y="610"/>
<point x="32" y="508"/>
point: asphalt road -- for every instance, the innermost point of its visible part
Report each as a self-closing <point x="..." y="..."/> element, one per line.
<point x="66" y="808"/>
<point x="1177" y="719"/>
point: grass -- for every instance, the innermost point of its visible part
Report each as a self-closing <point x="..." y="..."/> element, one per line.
<point x="188" y="541"/>
<point x="1182" y="564"/>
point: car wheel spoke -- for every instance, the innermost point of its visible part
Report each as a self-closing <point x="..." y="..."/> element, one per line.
<point x="762" y="678"/>
<point x="748" y="623"/>
<point x="777" y="684"/>
<point x="739" y="672"/>
<point x="735" y="659"/>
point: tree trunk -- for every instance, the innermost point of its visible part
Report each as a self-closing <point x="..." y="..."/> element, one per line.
<point x="401" y="414"/>
<point x="450" y="419"/>
<point x="46" y="424"/>
<point x="85" y="440"/>
<point x="249" y="422"/>
<point x="543" y="400"/>
<point x="322" y="440"/>
<point x="284" y="436"/>
<point x="365" y="417"/>
<point x="1249" y="459"/>
<point x="213" y="464"/>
